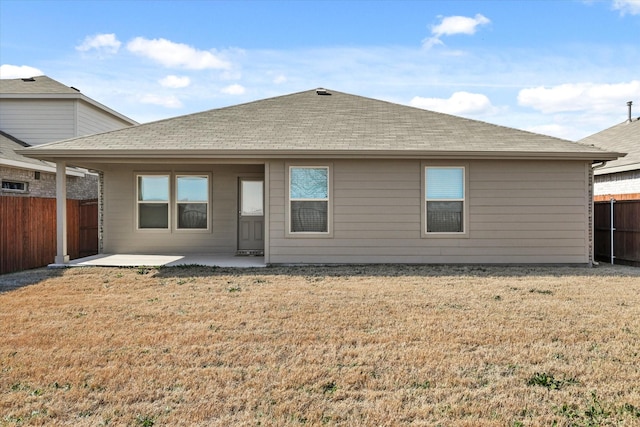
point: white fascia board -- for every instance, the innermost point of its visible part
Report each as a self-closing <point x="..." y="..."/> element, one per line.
<point x="616" y="169"/>
<point x="40" y="168"/>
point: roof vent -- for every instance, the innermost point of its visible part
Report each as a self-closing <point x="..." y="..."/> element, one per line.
<point x="321" y="91"/>
<point x="29" y="79"/>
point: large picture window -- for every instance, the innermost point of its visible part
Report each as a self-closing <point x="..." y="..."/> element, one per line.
<point x="153" y="201"/>
<point x="445" y="199"/>
<point x="309" y="199"/>
<point x="192" y="201"/>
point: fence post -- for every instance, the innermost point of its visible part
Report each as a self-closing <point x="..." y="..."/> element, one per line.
<point x="613" y="229"/>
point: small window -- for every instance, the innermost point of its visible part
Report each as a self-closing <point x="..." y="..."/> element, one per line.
<point x="444" y="199"/>
<point x="153" y="201"/>
<point x="17" y="186"/>
<point x="309" y="199"/>
<point x="192" y="201"/>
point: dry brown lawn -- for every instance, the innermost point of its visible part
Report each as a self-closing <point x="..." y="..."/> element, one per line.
<point x="367" y="345"/>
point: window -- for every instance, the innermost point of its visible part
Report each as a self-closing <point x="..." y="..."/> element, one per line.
<point x="444" y="198"/>
<point x="309" y="199"/>
<point x="153" y="201"/>
<point x="192" y="201"/>
<point x="16" y="186"/>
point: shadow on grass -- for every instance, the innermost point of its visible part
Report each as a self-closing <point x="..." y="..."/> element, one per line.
<point x="20" y="279"/>
<point x="401" y="270"/>
<point x="12" y="281"/>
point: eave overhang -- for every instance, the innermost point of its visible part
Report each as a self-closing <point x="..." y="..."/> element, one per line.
<point x="617" y="169"/>
<point x="127" y="156"/>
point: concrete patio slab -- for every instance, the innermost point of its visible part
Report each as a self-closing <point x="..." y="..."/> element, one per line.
<point x="144" y="260"/>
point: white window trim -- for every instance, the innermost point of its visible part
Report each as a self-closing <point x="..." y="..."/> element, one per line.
<point x="177" y="202"/>
<point x="328" y="199"/>
<point x="138" y="201"/>
<point x="13" y="190"/>
<point x="172" y="202"/>
<point x="465" y="200"/>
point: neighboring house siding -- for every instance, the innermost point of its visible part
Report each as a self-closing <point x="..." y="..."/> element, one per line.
<point x="92" y="120"/>
<point x="121" y="236"/>
<point x="38" y="121"/>
<point x="517" y="214"/>
<point x="80" y="188"/>
<point x="617" y="183"/>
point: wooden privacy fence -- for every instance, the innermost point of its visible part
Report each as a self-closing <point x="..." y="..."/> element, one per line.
<point x="626" y="233"/>
<point x="28" y="231"/>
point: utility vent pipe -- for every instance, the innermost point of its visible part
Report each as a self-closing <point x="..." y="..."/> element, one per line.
<point x="629" y="105"/>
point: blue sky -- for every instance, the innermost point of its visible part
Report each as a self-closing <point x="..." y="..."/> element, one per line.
<point x="560" y="67"/>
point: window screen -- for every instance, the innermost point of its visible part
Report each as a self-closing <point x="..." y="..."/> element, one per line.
<point x="309" y="199"/>
<point x="444" y="199"/>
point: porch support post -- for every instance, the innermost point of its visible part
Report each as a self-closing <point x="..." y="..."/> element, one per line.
<point x="62" y="256"/>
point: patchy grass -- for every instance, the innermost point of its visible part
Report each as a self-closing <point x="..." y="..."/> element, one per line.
<point x="362" y="345"/>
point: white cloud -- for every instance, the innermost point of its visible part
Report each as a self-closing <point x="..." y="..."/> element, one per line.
<point x="451" y="25"/>
<point x="8" y="71"/>
<point x="280" y="79"/>
<point x="235" y="89"/>
<point x="579" y="97"/>
<point x="103" y="43"/>
<point x="631" y="7"/>
<point x="175" y="82"/>
<point x="459" y="103"/>
<point x="164" y="101"/>
<point x="176" y="55"/>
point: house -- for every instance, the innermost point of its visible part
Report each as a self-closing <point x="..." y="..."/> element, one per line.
<point x="23" y="176"/>
<point x="38" y="110"/>
<point x="322" y="176"/>
<point x="618" y="179"/>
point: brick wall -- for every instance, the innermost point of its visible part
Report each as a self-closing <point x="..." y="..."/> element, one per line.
<point x="617" y="183"/>
<point x="78" y="188"/>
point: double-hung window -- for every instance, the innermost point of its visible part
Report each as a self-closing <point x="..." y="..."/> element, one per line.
<point x="309" y="199"/>
<point x="180" y="205"/>
<point x="445" y="199"/>
<point x="192" y="201"/>
<point x="153" y="201"/>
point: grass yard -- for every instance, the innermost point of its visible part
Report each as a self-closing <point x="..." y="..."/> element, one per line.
<point x="366" y="345"/>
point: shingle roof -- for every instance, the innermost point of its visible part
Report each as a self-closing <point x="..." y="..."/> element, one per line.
<point x="625" y="138"/>
<point x="312" y="124"/>
<point x="34" y="85"/>
<point x="8" y="155"/>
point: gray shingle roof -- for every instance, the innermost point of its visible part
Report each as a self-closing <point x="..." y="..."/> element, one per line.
<point x="8" y="147"/>
<point x="34" y="85"/>
<point x="308" y="123"/>
<point x="625" y="138"/>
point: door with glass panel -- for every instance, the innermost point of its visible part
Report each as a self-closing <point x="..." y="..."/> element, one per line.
<point x="251" y="216"/>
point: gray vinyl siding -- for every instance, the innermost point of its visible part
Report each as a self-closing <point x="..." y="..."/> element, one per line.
<point x="121" y="236"/>
<point x="92" y="120"/>
<point x="519" y="212"/>
<point x="38" y="121"/>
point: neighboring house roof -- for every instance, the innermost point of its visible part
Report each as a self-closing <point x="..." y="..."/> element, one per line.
<point x="312" y="124"/>
<point x="35" y="85"/>
<point x="9" y="157"/>
<point x="43" y="87"/>
<point x="624" y="137"/>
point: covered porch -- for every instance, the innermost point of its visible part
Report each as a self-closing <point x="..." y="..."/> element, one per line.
<point x="227" y="196"/>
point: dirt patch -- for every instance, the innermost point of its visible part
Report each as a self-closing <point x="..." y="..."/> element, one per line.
<point x="361" y="345"/>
